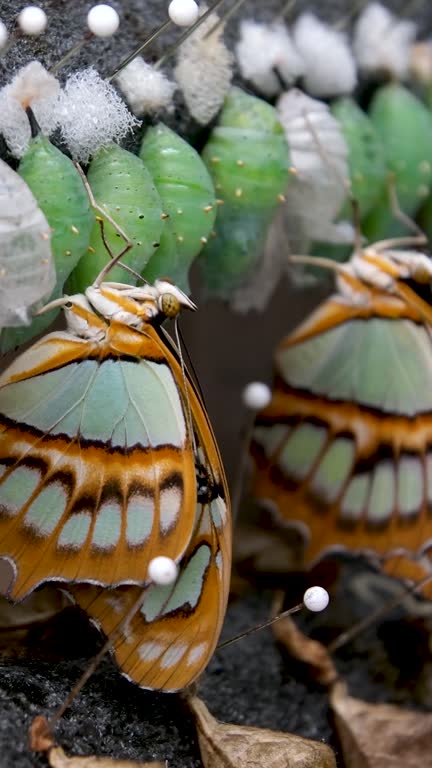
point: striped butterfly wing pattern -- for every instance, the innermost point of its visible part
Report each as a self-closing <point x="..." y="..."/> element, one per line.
<point x="97" y="461"/>
<point x="344" y="449"/>
<point x="171" y="639"/>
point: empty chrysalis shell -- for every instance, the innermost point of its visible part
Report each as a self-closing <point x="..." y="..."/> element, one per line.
<point x="57" y="186"/>
<point x="247" y="156"/>
<point x="188" y="198"/>
<point x="405" y="127"/>
<point x="27" y="273"/>
<point x="367" y="166"/>
<point x="319" y="160"/>
<point x="123" y="187"/>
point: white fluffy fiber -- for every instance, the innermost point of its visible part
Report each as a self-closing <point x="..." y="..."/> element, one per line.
<point x="382" y="42"/>
<point x="144" y="87"/>
<point x="92" y="114"/>
<point x="204" y="71"/>
<point x="32" y="87"/>
<point x="330" y="69"/>
<point x="261" y="49"/>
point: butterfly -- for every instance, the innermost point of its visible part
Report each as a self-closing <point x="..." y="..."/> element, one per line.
<point x="344" y="449"/>
<point x="107" y="460"/>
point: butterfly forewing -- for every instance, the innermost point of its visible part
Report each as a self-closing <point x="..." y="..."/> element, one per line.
<point x="97" y="465"/>
<point x="345" y="446"/>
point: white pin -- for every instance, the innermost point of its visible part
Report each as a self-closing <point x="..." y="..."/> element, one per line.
<point x="162" y="570"/>
<point x="183" y="13"/>
<point x="256" y="395"/>
<point x="316" y="599"/>
<point x="103" y="20"/>
<point x="32" y="20"/>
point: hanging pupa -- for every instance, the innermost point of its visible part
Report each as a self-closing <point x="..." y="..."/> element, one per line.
<point x="123" y="187"/>
<point x="248" y="159"/>
<point x="405" y="127"/>
<point x="188" y="198"/>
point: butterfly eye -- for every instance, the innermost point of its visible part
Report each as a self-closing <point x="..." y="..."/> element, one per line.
<point x="169" y="305"/>
<point x="421" y="274"/>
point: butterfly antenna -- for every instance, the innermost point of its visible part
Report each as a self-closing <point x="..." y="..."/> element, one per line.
<point x="318" y="261"/>
<point x="379" y="613"/>
<point x="185" y="387"/>
<point x="104" y="215"/>
<point x="418" y="239"/>
<point x="191" y="366"/>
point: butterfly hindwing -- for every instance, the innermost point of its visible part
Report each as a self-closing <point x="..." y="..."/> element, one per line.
<point x="170" y="640"/>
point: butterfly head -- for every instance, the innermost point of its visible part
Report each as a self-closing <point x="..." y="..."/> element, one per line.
<point x="136" y="305"/>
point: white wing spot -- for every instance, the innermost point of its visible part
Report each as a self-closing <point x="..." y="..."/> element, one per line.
<point x="173" y="655"/>
<point x="196" y="653"/>
<point x="150" y="651"/>
<point x="170" y="504"/>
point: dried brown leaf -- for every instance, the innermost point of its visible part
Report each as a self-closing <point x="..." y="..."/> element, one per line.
<point x="304" y="649"/>
<point x="239" y="746"/>
<point x="40" y="736"/>
<point x="381" y="735"/>
<point x="58" y="759"/>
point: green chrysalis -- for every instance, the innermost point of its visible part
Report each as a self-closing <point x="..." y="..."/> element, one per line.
<point x="405" y="127"/>
<point x="123" y="187"/>
<point x="367" y="165"/>
<point x="59" y="191"/>
<point x="188" y="197"/>
<point x="247" y="156"/>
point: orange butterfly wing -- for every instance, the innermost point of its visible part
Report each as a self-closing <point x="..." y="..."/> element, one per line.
<point x="170" y="640"/>
<point x="97" y="467"/>
<point x="344" y="450"/>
